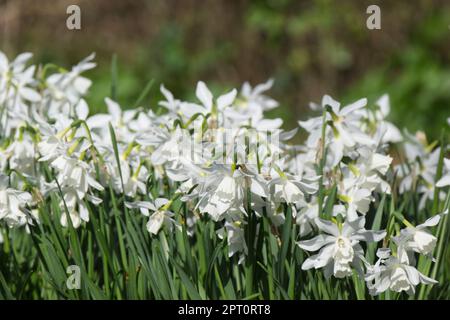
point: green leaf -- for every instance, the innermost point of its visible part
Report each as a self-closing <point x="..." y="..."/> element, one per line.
<point x="192" y="291"/>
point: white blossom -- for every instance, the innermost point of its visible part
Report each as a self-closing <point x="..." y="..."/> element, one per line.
<point x="339" y="246"/>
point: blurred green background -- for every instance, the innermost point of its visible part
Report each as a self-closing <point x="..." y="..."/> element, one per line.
<point x="310" y="48"/>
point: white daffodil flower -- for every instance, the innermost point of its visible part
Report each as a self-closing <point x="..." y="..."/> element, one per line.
<point x="394" y="273"/>
<point x="234" y="233"/>
<point x="23" y="156"/>
<point x="225" y="190"/>
<point x="73" y="206"/>
<point x="52" y="147"/>
<point x="418" y="238"/>
<point x="76" y="174"/>
<point x="99" y="123"/>
<point x="369" y="169"/>
<point x="343" y="130"/>
<point x="287" y="190"/>
<point x="19" y="78"/>
<point x="9" y="70"/>
<point x="267" y="206"/>
<point x="68" y="88"/>
<point x="76" y="210"/>
<point x="13" y="204"/>
<point x="254" y="96"/>
<point x="17" y="91"/>
<point x="291" y="189"/>
<point x="386" y="131"/>
<point x="356" y="197"/>
<point x="422" y="161"/>
<point x="160" y="216"/>
<point x="178" y="145"/>
<point x="339" y="247"/>
<point x="171" y="104"/>
<point x="224" y="187"/>
<point x="206" y="98"/>
<point x="132" y="174"/>
<point x="249" y="108"/>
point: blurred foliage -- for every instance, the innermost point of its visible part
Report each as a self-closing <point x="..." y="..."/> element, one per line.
<point x="310" y="48"/>
<point x="417" y="78"/>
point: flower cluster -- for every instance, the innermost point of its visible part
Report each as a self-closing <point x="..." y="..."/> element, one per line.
<point x="221" y="157"/>
<point x="396" y="272"/>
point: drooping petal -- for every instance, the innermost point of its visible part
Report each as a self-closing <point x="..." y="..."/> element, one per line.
<point x="310" y="262"/>
<point x="155" y="222"/>
<point x="444" y="181"/>
<point x="426" y="280"/>
<point x="413" y="275"/>
<point x="431" y="222"/>
<point x="369" y="236"/>
<point x="316" y="243"/>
